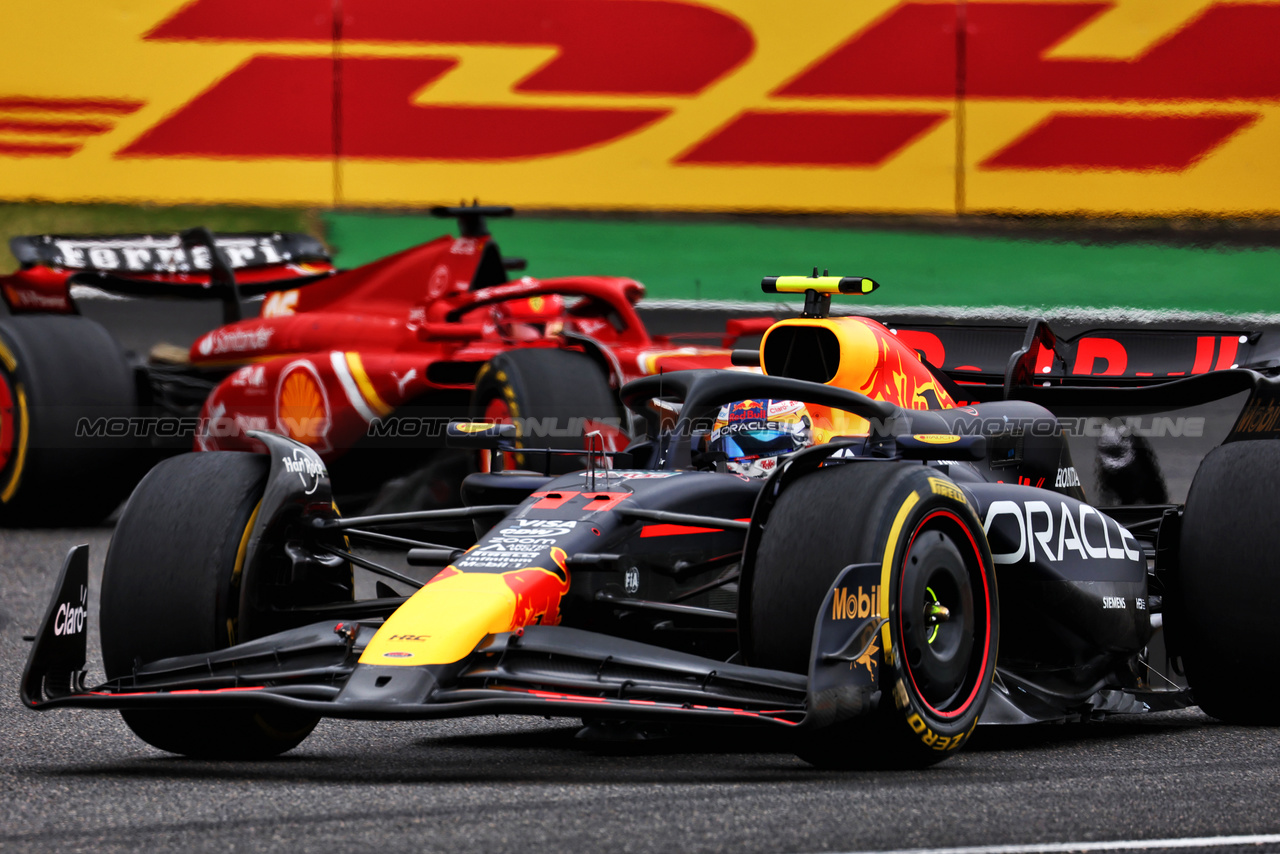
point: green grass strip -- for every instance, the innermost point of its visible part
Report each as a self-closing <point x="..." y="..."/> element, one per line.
<point x="724" y="261"/>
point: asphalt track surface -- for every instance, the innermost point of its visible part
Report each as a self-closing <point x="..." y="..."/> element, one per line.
<point x="79" y="781"/>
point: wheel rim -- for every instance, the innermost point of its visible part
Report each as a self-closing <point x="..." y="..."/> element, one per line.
<point x="944" y="614"/>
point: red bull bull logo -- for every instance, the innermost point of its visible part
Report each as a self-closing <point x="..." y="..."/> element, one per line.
<point x="538" y="592"/>
<point x="898" y="376"/>
<point x="749" y="410"/>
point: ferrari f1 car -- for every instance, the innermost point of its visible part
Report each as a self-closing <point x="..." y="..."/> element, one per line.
<point x="923" y="568"/>
<point x="330" y="357"/>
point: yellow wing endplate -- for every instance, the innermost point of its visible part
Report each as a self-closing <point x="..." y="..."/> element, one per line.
<point x="821" y="284"/>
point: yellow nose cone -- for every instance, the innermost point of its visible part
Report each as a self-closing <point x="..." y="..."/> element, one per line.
<point x="444" y="621"/>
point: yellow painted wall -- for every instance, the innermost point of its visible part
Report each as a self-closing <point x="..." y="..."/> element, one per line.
<point x="829" y="105"/>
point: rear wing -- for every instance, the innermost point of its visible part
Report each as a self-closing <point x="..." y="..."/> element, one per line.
<point x="1143" y="445"/>
<point x="992" y="362"/>
<point x="193" y="264"/>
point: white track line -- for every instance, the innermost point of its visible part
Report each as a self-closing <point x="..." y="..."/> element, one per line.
<point x="1119" y="845"/>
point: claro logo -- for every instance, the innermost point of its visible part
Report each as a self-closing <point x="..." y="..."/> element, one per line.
<point x="70" y="617"/>
<point x="1028" y="531"/>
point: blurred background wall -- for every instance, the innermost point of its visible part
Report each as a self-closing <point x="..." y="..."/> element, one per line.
<point x="1128" y="107"/>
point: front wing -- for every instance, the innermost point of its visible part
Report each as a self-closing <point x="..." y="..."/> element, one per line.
<point x="544" y="670"/>
<point x="539" y="670"/>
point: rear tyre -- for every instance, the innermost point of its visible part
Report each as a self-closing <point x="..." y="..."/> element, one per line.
<point x="1227" y="588"/>
<point x="172" y="585"/>
<point x="554" y="397"/>
<point x="937" y="667"/>
<point x="58" y="373"/>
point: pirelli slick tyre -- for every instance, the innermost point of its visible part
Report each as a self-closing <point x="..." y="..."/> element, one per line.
<point x="61" y="378"/>
<point x="171" y="586"/>
<point x="552" y="396"/>
<point x="1221" y="617"/>
<point x="937" y="591"/>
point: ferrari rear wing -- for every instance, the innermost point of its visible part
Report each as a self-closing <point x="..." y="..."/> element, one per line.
<point x="192" y="264"/>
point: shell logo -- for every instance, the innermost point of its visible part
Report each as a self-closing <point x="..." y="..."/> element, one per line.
<point x="302" y="406"/>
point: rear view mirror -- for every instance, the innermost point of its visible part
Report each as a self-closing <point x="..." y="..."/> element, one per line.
<point x="480" y="435"/>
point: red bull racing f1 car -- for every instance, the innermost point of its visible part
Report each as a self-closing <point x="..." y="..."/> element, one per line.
<point x="919" y="568"/>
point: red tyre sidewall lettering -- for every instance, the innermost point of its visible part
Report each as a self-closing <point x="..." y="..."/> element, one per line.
<point x="8" y="420"/>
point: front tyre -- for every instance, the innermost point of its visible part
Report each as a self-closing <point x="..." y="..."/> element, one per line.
<point x="172" y="585"/>
<point x="554" y="397"/>
<point x="1225" y="594"/>
<point x="937" y="591"/>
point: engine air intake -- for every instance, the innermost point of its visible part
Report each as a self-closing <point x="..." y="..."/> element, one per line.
<point x="801" y="352"/>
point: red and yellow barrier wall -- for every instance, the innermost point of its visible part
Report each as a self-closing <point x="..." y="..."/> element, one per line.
<point x="1063" y="106"/>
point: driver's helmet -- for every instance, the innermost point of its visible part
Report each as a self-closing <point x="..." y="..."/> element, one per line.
<point x="755" y="435"/>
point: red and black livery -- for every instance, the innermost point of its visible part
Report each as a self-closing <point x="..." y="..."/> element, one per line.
<point x="927" y="567"/>
<point x="366" y="365"/>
